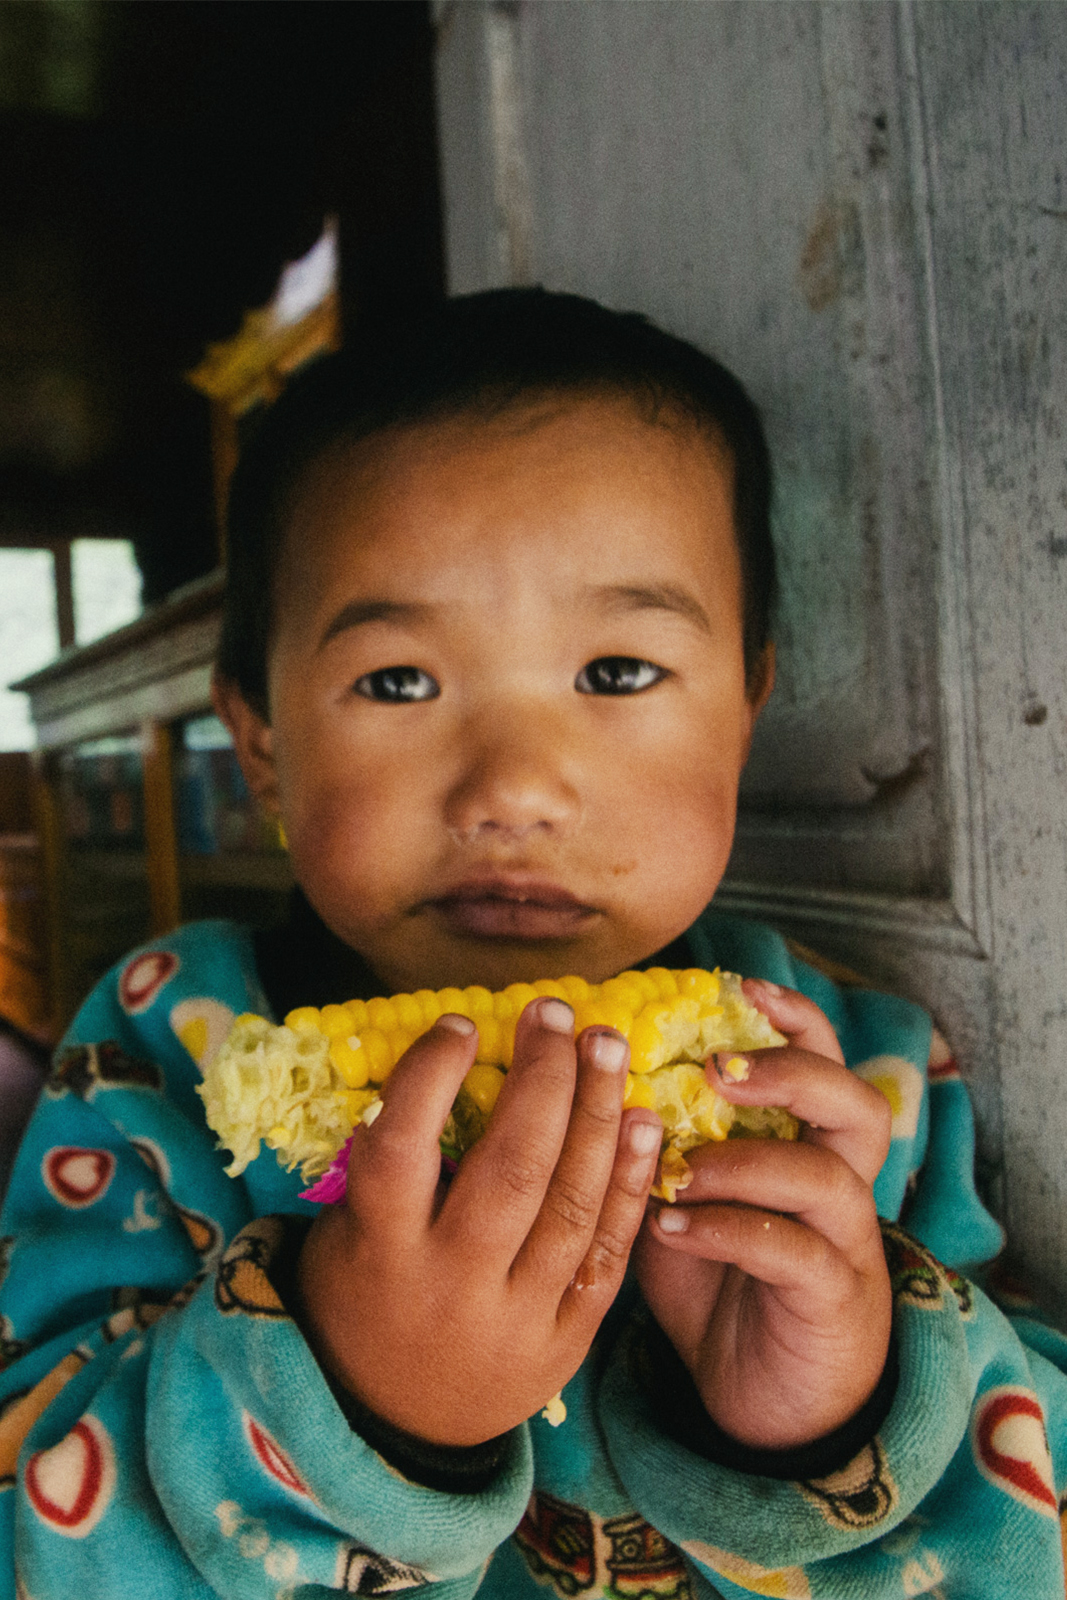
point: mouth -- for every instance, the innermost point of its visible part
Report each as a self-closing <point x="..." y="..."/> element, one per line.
<point x="513" y="909"/>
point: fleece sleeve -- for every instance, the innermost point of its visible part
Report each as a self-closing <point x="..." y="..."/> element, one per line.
<point x="959" y="1492"/>
<point x="164" y="1428"/>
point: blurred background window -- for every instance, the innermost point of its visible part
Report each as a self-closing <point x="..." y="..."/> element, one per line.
<point x="29" y="635"/>
<point x="107" y="586"/>
<point x="106" y="582"/>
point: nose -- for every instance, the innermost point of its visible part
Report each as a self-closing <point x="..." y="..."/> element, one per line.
<point x="519" y="779"/>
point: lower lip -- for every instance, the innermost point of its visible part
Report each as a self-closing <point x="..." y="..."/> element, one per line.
<point x="492" y="918"/>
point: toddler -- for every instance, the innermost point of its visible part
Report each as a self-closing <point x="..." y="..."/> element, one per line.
<point x="496" y="639"/>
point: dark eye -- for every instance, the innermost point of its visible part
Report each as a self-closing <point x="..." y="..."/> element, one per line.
<point x="396" y="685"/>
<point x="618" y="675"/>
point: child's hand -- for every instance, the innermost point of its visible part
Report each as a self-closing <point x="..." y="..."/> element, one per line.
<point x="768" y="1274"/>
<point x="457" y="1314"/>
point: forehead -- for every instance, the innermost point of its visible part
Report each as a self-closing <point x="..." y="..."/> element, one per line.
<point x="575" y="483"/>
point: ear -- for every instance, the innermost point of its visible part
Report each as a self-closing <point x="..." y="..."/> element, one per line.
<point x="253" y="740"/>
<point x="759" y="688"/>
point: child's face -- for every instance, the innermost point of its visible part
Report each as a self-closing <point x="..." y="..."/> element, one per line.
<point x="463" y="801"/>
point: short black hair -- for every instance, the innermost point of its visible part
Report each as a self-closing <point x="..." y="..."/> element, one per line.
<point x="475" y="354"/>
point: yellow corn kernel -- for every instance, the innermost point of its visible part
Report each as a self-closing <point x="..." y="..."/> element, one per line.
<point x="245" y="1018"/>
<point x="575" y="990"/>
<point x="429" y="1005"/>
<point x="336" y="1022"/>
<point x="550" y="986"/>
<point x="303" y="1017"/>
<point x="603" y="1014"/>
<point x="639" y="1092"/>
<point x="646" y="1044"/>
<point x="665" y="981"/>
<point x="477" y="1002"/>
<point x="623" y="991"/>
<point x="381" y="1015"/>
<point x="379" y="1055"/>
<point x="399" y="1041"/>
<point x="357" y="1101"/>
<point x="452" y="1000"/>
<point x="490" y="1039"/>
<point x="351" y="1059"/>
<point x="520" y="995"/>
<point x="278" y="1136"/>
<point x="645" y="986"/>
<point x="483" y="1083"/>
<point x="699" y="985"/>
<point x="408" y="1013"/>
<point x="357" y="1010"/>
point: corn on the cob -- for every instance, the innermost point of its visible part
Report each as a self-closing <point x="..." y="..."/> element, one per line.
<point x="301" y="1087"/>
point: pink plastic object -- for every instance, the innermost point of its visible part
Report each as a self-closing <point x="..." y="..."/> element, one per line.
<point x="329" y="1190"/>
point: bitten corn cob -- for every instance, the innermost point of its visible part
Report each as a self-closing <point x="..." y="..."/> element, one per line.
<point x="302" y="1087"/>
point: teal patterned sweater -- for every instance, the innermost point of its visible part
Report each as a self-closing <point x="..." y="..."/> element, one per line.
<point x="165" y="1431"/>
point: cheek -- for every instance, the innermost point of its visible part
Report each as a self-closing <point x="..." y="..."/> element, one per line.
<point x="349" y="823"/>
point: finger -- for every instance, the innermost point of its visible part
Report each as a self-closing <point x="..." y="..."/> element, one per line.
<point x="777" y="1250"/>
<point x="395" y="1161"/>
<point x="839" y="1111"/>
<point x="814" y="1185"/>
<point x="501" y="1183"/>
<point x="596" y="1281"/>
<point x="561" y="1234"/>
<point x="793" y="1014"/>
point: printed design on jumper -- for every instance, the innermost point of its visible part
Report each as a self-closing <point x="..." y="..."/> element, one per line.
<point x="154" y="1157"/>
<point x="131" y="1308"/>
<point x="557" y="1542"/>
<point x="641" y="1563"/>
<point x="253" y="1541"/>
<point x="861" y="1495"/>
<point x="963" y="1289"/>
<point x="142" y="978"/>
<point x="241" y="1281"/>
<point x="11" y="1348"/>
<point x="71" y="1484"/>
<point x="22" y="1410"/>
<point x="204" y="1232"/>
<point x="272" y="1458"/>
<point x="77" y="1176"/>
<point x="917" y="1278"/>
<point x="620" y="1558"/>
<point x="1011" y="1447"/>
<point x="82" y="1069"/>
<point x="902" y="1084"/>
<point x="363" y="1571"/>
<point x="202" y="1025"/>
<point x="205" y="1235"/>
<point x="784" y="1583"/>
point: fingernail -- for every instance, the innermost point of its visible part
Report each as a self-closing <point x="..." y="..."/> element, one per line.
<point x="605" y="1049"/>
<point x="644" y="1137"/>
<point x="735" y="1068"/>
<point x="669" y="1220"/>
<point x="457" y="1024"/>
<point x="556" y="1014"/>
<point x="773" y="989"/>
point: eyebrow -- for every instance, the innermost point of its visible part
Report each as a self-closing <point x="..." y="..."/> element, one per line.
<point x="358" y="613"/>
<point x="651" y="597"/>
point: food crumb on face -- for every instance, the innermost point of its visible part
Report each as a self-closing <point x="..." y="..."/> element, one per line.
<point x="555" y="1412"/>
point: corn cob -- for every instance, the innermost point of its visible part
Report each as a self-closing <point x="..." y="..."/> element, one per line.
<point x="301" y="1087"/>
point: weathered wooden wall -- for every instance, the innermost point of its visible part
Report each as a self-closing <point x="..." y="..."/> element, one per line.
<point x="862" y="208"/>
